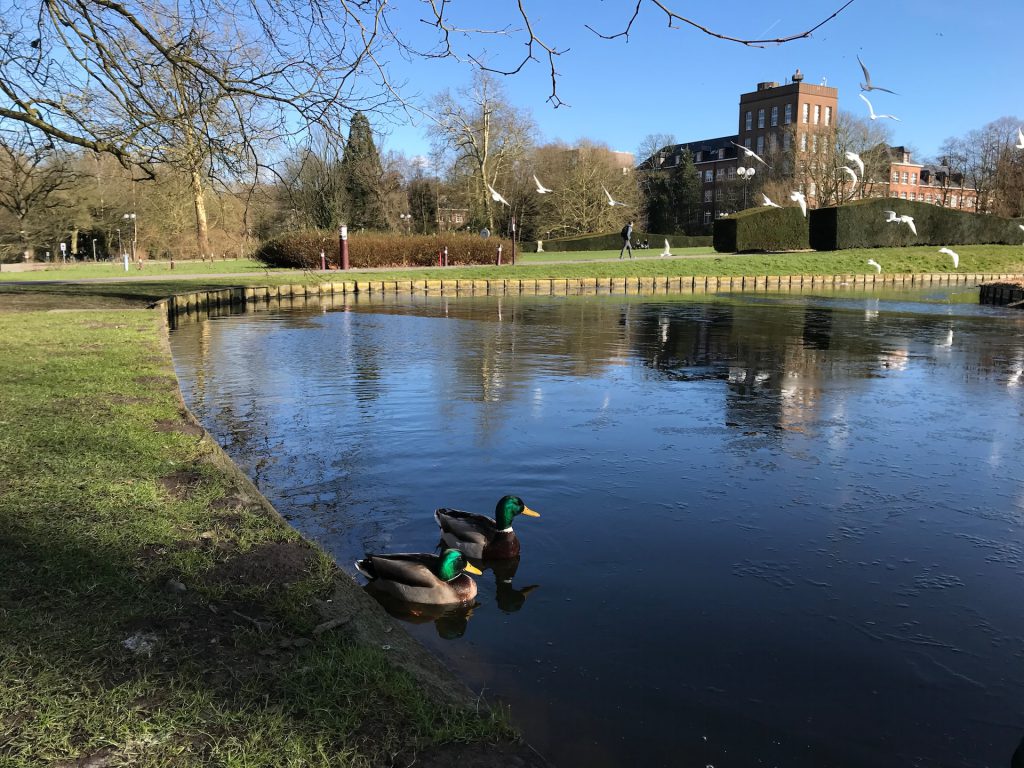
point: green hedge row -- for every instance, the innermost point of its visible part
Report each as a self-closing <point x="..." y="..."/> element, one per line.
<point x="762" y="229"/>
<point x="301" y="250"/>
<point x="612" y="241"/>
<point x="862" y="224"/>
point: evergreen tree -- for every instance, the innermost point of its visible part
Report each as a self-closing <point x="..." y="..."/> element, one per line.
<point x="362" y="173"/>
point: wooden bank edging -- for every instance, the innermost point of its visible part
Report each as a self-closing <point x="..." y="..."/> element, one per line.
<point x="199" y="301"/>
<point x="1003" y="293"/>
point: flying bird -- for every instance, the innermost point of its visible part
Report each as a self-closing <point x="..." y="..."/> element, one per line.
<point x="496" y="197"/>
<point x="875" y="264"/>
<point x="541" y="189"/>
<point x="668" y="249"/>
<point x="612" y="201"/>
<point x="866" y="85"/>
<point x="1020" y="138"/>
<point x="909" y="221"/>
<point x="853" y="157"/>
<point x="953" y="254"/>
<point x="853" y="176"/>
<point x="891" y="216"/>
<point x="768" y="202"/>
<point x="872" y="110"/>
<point x="750" y="153"/>
<point x="798" y="197"/>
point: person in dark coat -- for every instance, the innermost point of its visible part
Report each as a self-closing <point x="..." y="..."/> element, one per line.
<point x="627" y="233"/>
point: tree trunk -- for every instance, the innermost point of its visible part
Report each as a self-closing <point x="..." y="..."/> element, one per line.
<point x="202" y="232"/>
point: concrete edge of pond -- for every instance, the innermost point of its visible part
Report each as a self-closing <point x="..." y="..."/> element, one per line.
<point x="199" y="301"/>
<point x="351" y="611"/>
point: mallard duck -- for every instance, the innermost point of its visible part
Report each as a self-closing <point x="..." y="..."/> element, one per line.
<point x="479" y="537"/>
<point x="421" y="578"/>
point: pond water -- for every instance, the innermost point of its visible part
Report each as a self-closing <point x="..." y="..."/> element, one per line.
<point x="777" y="529"/>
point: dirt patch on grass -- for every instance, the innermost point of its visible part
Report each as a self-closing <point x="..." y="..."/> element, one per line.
<point x="267" y="566"/>
<point x="184" y="427"/>
<point x="180" y="485"/>
<point x="167" y="382"/>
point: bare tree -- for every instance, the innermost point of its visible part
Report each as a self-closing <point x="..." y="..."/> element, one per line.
<point x="31" y="178"/>
<point x="483" y="136"/>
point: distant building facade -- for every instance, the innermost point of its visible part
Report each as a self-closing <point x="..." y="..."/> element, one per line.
<point x="786" y="121"/>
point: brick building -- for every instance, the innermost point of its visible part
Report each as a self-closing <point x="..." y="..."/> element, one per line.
<point x="771" y="120"/>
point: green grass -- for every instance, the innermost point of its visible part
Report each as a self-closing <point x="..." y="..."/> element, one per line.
<point x="104" y="496"/>
<point x="87" y="270"/>
<point x="648" y="253"/>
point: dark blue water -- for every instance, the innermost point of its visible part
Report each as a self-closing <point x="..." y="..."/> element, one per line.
<point x="776" y="530"/>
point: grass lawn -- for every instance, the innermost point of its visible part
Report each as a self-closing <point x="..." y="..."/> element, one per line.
<point x="549" y="256"/>
<point x="154" y="611"/>
<point x="84" y="270"/>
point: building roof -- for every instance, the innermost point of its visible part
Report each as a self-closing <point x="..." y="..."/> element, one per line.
<point x="667" y="157"/>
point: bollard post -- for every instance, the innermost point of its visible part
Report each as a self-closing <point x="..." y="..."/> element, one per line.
<point x="499" y="254"/>
<point x="172" y="262"/>
<point x="323" y="260"/>
<point x="513" y="241"/>
<point x="439" y="259"/>
<point x="343" y="235"/>
<point x="446" y="255"/>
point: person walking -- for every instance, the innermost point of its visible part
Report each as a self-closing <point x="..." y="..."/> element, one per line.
<point x="627" y="233"/>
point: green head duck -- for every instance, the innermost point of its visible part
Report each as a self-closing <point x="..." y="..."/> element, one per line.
<point x="452" y="563"/>
<point x="507" y="508"/>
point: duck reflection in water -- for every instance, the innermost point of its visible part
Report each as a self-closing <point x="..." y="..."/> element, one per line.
<point x="450" y="621"/>
<point x="508" y="598"/>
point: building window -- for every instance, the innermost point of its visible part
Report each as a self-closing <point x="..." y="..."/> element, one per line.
<point x="788" y="116"/>
<point x="817" y="113"/>
<point x="927" y="198"/>
<point x="760" y="118"/>
<point x="828" y="115"/>
<point x="721" y="154"/>
<point x="707" y="195"/>
<point x="895" y="177"/>
<point x="814" y="143"/>
<point x="904" y="177"/>
<point x="913" y="178"/>
<point x="708" y="176"/>
<point x="807" y="112"/>
<point x="775" y="116"/>
<point x="718" y="194"/>
<point x="749" y="120"/>
<point x="785" y="141"/>
<point x="746" y="142"/>
<point x="720" y="173"/>
<point x="903" y="195"/>
<point x="732" y="171"/>
<point x="697" y="157"/>
<point x="707" y="217"/>
<point x="760" y="145"/>
<point x="803" y="142"/>
<point x="913" y="196"/>
<point x="813" y="189"/>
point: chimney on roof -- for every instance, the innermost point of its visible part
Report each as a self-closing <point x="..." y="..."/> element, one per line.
<point x="766" y="85"/>
<point x="798" y="76"/>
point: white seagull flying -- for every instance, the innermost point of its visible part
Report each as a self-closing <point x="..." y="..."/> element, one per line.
<point x="768" y="202"/>
<point x="611" y="200"/>
<point x="1020" y="138"/>
<point x="750" y="153"/>
<point x="853" y="176"/>
<point x="798" y="197"/>
<point x="541" y="189"/>
<point x="866" y="85"/>
<point x="872" y="110"/>
<point x="496" y="197"/>
<point x="909" y="221"/>
<point x="875" y="264"/>
<point x="668" y="249"/>
<point x="891" y="216"/>
<point x="955" y="256"/>
<point x="853" y="157"/>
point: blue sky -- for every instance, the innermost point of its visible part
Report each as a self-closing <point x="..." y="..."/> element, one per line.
<point x="955" y="65"/>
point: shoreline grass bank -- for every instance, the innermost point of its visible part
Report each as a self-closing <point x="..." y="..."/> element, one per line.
<point x="156" y="611"/>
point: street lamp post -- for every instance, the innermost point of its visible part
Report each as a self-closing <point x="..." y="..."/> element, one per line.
<point x="135" y="231"/>
<point x="406" y="221"/>
<point x="746" y="174"/>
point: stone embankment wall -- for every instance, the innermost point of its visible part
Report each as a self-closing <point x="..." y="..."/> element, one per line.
<point x="237" y="296"/>
<point x="1003" y="293"/>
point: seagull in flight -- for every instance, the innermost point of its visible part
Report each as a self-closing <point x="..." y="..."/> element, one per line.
<point x="909" y="221"/>
<point x="853" y="176"/>
<point x="611" y="200"/>
<point x="872" y="110"/>
<point x="798" y="197"/>
<point x="1020" y="138"/>
<point x="541" y="189"/>
<point x="668" y="249"/>
<point x="953" y="254"/>
<point x="875" y="264"/>
<point x="768" y="202"/>
<point x="891" y="216"/>
<point x="496" y="197"/>
<point x="866" y="85"/>
<point x="853" y="157"/>
<point x="750" y="153"/>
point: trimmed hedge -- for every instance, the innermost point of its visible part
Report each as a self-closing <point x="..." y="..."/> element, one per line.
<point x="612" y="241"/>
<point x="301" y="250"/>
<point x="862" y="224"/>
<point x="762" y="229"/>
